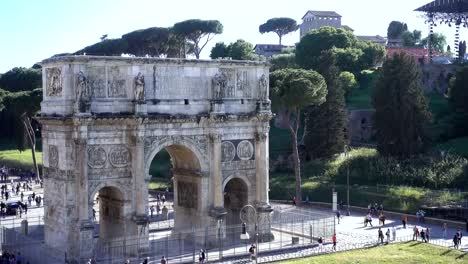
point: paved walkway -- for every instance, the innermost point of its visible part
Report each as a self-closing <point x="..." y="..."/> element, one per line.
<point x="351" y="234"/>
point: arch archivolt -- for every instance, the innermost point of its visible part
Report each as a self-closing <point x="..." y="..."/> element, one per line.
<point x="192" y="149"/>
<point x="238" y="175"/>
<point x="123" y="186"/>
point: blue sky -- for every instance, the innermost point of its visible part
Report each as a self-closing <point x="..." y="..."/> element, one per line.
<point x="33" y="30"/>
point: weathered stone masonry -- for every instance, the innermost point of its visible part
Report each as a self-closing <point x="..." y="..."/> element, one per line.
<point x="105" y="118"/>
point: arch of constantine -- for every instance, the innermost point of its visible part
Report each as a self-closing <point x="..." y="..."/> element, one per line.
<point x="104" y="119"/>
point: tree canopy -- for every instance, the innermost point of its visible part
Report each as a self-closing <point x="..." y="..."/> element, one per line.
<point x="239" y="50"/>
<point x="292" y="90"/>
<point x="13" y="106"/>
<point x="21" y="79"/>
<point x="313" y="43"/>
<point x="438" y="42"/>
<point x="411" y="39"/>
<point x="458" y="98"/>
<point x="326" y="123"/>
<point x="401" y="109"/>
<point x="280" y="25"/>
<point x="352" y="55"/>
<point x="396" y="29"/>
<point x="198" y="32"/>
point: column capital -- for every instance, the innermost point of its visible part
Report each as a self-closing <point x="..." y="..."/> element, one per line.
<point x="215" y="138"/>
<point x="80" y="141"/>
<point x="261" y="136"/>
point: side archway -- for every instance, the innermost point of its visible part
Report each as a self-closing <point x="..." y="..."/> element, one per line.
<point x="236" y="196"/>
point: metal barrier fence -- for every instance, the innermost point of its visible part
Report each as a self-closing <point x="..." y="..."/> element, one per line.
<point x="219" y="243"/>
<point x="34" y="251"/>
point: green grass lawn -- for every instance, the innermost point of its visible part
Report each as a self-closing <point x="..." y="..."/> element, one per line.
<point x="403" y="253"/>
<point x="21" y="160"/>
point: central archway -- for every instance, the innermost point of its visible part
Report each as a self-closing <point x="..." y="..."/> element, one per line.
<point x="185" y="201"/>
<point x="111" y="214"/>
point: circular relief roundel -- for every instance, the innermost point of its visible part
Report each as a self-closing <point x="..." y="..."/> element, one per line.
<point x="245" y="150"/>
<point x="228" y="151"/>
<point x="97" y="157"/>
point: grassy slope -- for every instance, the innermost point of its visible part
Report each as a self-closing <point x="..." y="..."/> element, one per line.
<point x="317" y="184"/>
<point x="407" y="253"/>
<point x="16" y="159"/>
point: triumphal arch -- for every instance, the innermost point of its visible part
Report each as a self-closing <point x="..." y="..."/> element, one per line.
<point x="105" y="118"/>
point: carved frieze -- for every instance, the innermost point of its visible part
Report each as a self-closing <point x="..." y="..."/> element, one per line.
<point x="245" y="150"/>
<point x="58" y="174"/>
<point x="54" y="83"/>
<point x="116" y="83"/>
<point x="238" y="165"/>
<point x="219" y="84"/>
<point x="97" y="157"/>
<point x="120" y="156"/>
<point x="228" y="151"/>
<point x="139" y="87"/>
<point x="53" y="156"/>
<point x="199" y="141"/>
<point x="187" y="194"/>
<point x="98" y="88"/>
<point x="243" y="84"/>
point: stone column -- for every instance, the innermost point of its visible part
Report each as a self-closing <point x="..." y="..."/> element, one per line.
<point x="81" y="174"/>
<point x="261" y="167"/>
<point x="139" y="176"/>
<point x="84" y="206"/>
<point x="217" y="210"/>
<point x="141" y="192"/>
<point x="262" y="182"/>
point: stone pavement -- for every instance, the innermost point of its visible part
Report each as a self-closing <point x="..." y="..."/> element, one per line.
<point x="351" y="234"/>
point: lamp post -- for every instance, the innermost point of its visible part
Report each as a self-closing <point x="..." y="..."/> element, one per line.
<point x="346" y="152"/>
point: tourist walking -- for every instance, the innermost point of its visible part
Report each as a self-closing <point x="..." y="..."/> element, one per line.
<point x="252" y="252"/>
<point x="415" y="233"/>
<point x="163" y="260"/>
<point x="388" y="235"/>
<point x="380" y="237"/>
<point x="338" y="216"/>
<point x="369" y="219"/>
<point x="382" y="219"/>
<point x="427" y="235"/>
<point x="394" y="232"/>
<point x="152" y="210"/>
<point x="423" y="235"/>
<point x="459" y="235"/>
<point x="320" y="243"/>
<point x="202" y="256"/>
<point x="334" y="241"/>
<point x="404" y="220"/>
<point x="455" y="241"/>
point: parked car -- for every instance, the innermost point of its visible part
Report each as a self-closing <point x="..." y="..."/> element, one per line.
<point x="12" y="207"/>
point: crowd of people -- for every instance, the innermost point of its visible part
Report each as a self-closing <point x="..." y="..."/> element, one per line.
<point x="160" y="207"/>
<point x="22" y="189"/>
